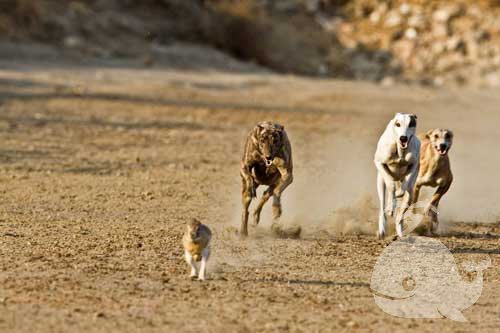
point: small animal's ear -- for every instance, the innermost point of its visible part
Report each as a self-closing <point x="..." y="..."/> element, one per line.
<point x="428" y="134"/>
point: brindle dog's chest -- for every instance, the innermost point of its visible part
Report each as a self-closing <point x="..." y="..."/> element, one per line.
<point x="265" y="175"/>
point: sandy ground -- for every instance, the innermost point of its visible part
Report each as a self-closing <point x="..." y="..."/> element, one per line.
<point x="101" y="166"/>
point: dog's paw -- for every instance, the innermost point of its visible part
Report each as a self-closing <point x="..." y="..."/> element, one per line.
<point x="381" y="235"/>
<point x="389" y="211"/>
<point x="255" y="220"/>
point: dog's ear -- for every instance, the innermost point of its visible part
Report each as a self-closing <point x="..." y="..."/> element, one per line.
<point x="255" y="134"/>
<point x="281" y="132"/>
<point x="429" y="133"/>
<point x="413" y="120"/>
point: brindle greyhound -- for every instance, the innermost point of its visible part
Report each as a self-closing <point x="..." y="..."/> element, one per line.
<point x="267" y="161"/>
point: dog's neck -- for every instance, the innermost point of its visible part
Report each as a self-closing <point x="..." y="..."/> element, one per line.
<point x="401" y="151"/>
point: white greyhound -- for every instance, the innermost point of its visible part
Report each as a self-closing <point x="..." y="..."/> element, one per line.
<point x="397" y="161"/>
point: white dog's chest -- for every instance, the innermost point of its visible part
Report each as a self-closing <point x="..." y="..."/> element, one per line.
<point x="400" y="166"/>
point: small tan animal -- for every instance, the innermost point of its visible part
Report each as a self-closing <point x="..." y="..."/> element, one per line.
<point x="267" y="160"/>
<point x="196" y="242"/>
<point x="435" y="170"/>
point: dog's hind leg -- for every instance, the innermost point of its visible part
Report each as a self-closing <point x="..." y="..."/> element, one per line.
<point x="410" y="180"/>
<point x="203" y="266"/>
<point x="265" y="196"/>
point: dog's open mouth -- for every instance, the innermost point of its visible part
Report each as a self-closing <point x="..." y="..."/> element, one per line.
<point x="442" y="150"/>
<point x="404" y="141"/>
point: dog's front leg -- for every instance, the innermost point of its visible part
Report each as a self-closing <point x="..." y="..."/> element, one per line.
<point x="383" y="180"/>
<point x="432" y="208"/>
<point x="246" y="199"/>
<point x="391" y="198"/>
<point x="285" y="180"/>
<point x="265" y="196"/>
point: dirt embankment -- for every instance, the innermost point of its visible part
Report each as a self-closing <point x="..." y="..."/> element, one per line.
<point x="432" y="42"/>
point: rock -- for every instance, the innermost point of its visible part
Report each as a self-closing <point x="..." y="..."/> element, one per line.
<point x="449" y="61"/>
<point x="437" y="48"/>
<point x="403" y="49"/>
<point x="312" y="6"/>
<point x="492" y="79"/>
<point x="375" y="17"/>
<point x="329" y="24"/>
<point x="472" y="49"/>
<point x="445" y="13"/>
<point x="405" y="9"/>
<point x="387" y="81"/>
<point x="454" y="43"/>
<point x="439" y="30"/>
<point x="416" y="21"/>
<point x="393" y="19"/>
<point x="73" y="42"/>
<point x="411" y="33"/>
<point x="438" y="81"/>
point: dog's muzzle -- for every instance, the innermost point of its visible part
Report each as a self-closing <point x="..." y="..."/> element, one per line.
<point x="442" y="149"/>
<point x="404" y="140"/>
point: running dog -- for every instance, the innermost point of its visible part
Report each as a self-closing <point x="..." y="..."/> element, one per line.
<point x="435" y="170"/>
<point x="267" y="160"/>
<point x="397" y="160"/>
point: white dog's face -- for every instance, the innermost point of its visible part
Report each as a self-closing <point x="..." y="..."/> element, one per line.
<point x="404" y="126"/>
<point x="441" y="140"/>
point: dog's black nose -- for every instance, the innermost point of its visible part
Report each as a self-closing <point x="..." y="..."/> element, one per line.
<point x="442" y="147"/>
<point x="403" y="139"/>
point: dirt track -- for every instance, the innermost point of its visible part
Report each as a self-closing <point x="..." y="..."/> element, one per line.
<point x="100" y="168"/>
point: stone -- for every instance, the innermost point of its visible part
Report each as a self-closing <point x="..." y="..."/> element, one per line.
<point x="403" y="49"/>
<point x="492" y="79"/>
<point x="405" y="8"/>
<point x="416" y="21"/>
<point x="454" y="43"/>
<point x="449" y="61"/>
<point x="439" y="30"/>
<point x="393" y="19"/>
<point x="445" y="13"/>
<point x="411" y="33"/>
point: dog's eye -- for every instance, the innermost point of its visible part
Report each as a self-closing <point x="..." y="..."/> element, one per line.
<point x="398" y="125"/>
<point x="436" y="136"/>
<point x="447" y="136"/>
